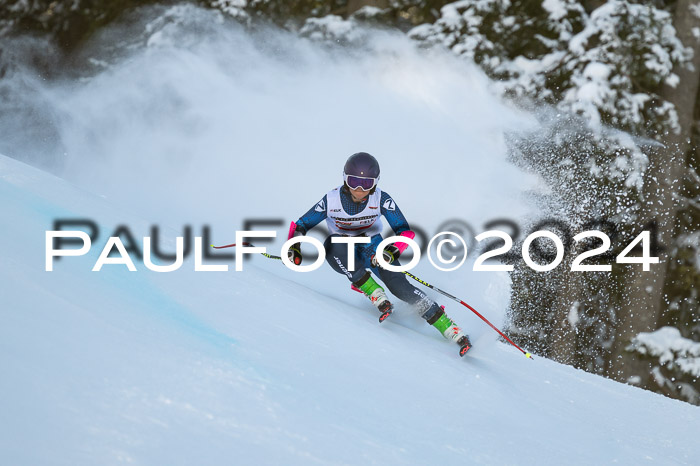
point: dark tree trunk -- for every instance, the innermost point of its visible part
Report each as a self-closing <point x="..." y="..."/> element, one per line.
<point x="662" y="201"/>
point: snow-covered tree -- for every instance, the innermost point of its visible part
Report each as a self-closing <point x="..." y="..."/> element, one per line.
<point x="608" y="149"/>
<point x="676" y="361"/>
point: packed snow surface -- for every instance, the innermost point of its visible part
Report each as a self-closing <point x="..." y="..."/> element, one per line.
<point x="258" y="367"/>
<point x="267" y="365"/>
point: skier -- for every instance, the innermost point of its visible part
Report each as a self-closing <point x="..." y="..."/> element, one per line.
<point x="354" y="209"/>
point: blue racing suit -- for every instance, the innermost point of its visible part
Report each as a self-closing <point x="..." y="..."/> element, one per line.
<point x="337" y="253"/>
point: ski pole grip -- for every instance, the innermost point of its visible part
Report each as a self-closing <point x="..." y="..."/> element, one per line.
<point x="410" y="234"/>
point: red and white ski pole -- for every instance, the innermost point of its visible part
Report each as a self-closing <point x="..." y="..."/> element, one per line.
<point x="269" y="256"/>
<point x="424" y="283"/>
<point x="292" y="228"/>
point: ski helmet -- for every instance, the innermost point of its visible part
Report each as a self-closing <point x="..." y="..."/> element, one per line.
<point x="361" y="170"/>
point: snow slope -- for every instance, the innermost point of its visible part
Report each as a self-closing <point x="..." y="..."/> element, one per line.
<point x="256" y="367"/>
<point x="198" y="122"/>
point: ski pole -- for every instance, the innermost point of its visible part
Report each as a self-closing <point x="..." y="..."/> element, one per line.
<point x="423" y="282"/>
<point x="269" y="256"/>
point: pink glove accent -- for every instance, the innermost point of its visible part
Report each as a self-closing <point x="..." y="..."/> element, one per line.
<point x="292" y="229"/>
<point x="408" y="234"/>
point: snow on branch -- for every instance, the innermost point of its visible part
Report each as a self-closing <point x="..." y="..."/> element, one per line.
<point x="670" y="348"/>
<point x="605" y="67"/>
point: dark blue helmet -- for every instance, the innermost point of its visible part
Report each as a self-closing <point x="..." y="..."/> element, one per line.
<point x="362" y="164"/>
<point x="361" y="171"/>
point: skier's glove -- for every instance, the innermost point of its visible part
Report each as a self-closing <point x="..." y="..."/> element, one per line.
<point x="294" y="253"/>
<point x="390" y="254"/>
<point x="393" y="251"/>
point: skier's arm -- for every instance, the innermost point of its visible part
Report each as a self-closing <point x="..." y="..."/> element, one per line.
<point x="398" y="223"/>
<point x="306" y="222"/>
<point x="313" y="217"/>
<point x="393" y="214"/>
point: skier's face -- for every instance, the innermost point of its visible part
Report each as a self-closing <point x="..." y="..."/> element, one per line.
<point x="358" y="194"/>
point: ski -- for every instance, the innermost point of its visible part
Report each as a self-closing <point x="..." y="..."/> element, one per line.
<point x="386" y="312"/>
<point x="464" y="345"/>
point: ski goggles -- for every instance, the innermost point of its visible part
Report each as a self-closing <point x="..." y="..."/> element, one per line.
<point x="364" y="183"/>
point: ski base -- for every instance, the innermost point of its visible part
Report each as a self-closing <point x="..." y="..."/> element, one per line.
<point x="386" y="313"/>
<point x="464" y="345"/>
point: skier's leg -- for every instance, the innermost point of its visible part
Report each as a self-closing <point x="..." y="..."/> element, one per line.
<point x="402" y="289"/>
<point x="337" y="258"/>
<point x="428" y="309"/>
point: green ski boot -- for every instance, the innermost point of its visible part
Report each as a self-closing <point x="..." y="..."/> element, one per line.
<point x="451" y="331"/>
<point x="376" y="294"/>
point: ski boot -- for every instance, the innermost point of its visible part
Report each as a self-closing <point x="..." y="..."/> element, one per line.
<point x="376" y="294"/>
<point x="451" y="331"/>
